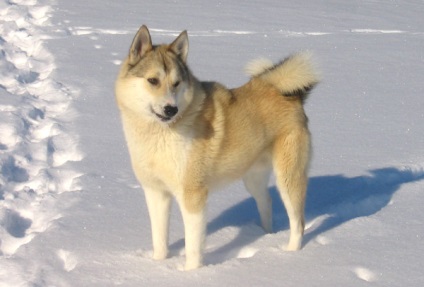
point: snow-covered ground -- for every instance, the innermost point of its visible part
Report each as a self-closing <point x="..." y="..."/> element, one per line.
<point x="72" y="214"/>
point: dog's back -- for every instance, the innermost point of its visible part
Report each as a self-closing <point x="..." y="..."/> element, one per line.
<point x="237" y="126"/>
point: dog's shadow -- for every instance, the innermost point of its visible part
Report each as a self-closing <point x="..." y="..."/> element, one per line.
<point x="335" y="199"/>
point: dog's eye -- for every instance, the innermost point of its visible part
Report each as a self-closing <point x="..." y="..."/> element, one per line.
<point x="176" y="84"/>
<point x="153" y="81"/>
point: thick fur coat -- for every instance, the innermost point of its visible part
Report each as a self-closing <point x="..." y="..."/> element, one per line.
<point x="187" y="137"/>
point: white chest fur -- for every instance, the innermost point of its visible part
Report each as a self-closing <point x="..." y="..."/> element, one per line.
<point x="158" y="154"/>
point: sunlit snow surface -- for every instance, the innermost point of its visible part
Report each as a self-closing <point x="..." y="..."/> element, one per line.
<point x="72" y="214"/>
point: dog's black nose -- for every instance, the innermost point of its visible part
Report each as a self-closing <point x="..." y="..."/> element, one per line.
<point x="170" y="111"/>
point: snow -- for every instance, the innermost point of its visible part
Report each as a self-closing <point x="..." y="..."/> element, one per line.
<point x="72" y="213"/>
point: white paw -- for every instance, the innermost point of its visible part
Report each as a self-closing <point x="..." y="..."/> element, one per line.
<point x="160" y="255"/>
<point x="192" y="264"/>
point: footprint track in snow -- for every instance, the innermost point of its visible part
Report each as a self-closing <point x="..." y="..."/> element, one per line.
<point x="69" y="260"/>
<point x="365" y="274"/>
<point x="247" y="252"/>
<point x="35" y="141"/>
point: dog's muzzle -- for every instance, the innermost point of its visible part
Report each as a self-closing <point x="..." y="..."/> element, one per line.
<point x="170" y="111"/>
<point x="167" y="114"/>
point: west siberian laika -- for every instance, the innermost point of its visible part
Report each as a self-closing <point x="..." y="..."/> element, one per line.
<point x="186" y="137"/>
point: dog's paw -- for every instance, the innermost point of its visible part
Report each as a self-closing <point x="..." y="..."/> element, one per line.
<point x="192" y="264"/>
<point x="189" y="267"/>
<point x="160" y="254"/>
<point x="185" y="267"/>
<point x="294" y="245"/>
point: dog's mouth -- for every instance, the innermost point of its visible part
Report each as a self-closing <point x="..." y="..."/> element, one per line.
<point x="160" y="117"/>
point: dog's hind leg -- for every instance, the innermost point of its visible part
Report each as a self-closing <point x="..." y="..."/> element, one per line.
<point x="256" y="181"/>
<point x="291" y="158"/>
<point x="159" y="204"/>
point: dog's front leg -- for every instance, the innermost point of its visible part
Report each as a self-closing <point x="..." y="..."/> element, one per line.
<point x="159" y="203"/>
<point x="193" y="209"/>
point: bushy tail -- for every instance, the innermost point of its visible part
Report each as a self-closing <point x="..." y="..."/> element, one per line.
<point x="294" y="76"/>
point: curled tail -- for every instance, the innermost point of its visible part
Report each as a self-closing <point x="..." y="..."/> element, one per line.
<point x="294" y="76"/>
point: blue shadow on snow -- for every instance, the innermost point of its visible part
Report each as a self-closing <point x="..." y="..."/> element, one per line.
<point x="338" y="197"/>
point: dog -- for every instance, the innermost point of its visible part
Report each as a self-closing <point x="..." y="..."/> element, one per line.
<point x="186" y="137"/>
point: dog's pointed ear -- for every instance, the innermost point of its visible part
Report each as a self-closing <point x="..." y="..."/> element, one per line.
<point x="180" y="46"/>
<point x="140" y="45"/>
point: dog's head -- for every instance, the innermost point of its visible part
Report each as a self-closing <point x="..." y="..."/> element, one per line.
<point x="156" y="78"/>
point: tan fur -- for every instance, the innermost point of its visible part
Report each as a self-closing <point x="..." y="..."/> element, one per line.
<point x="218" y="135"/>
<point x="258" y="66"/>
<point x="293" y="74"/>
